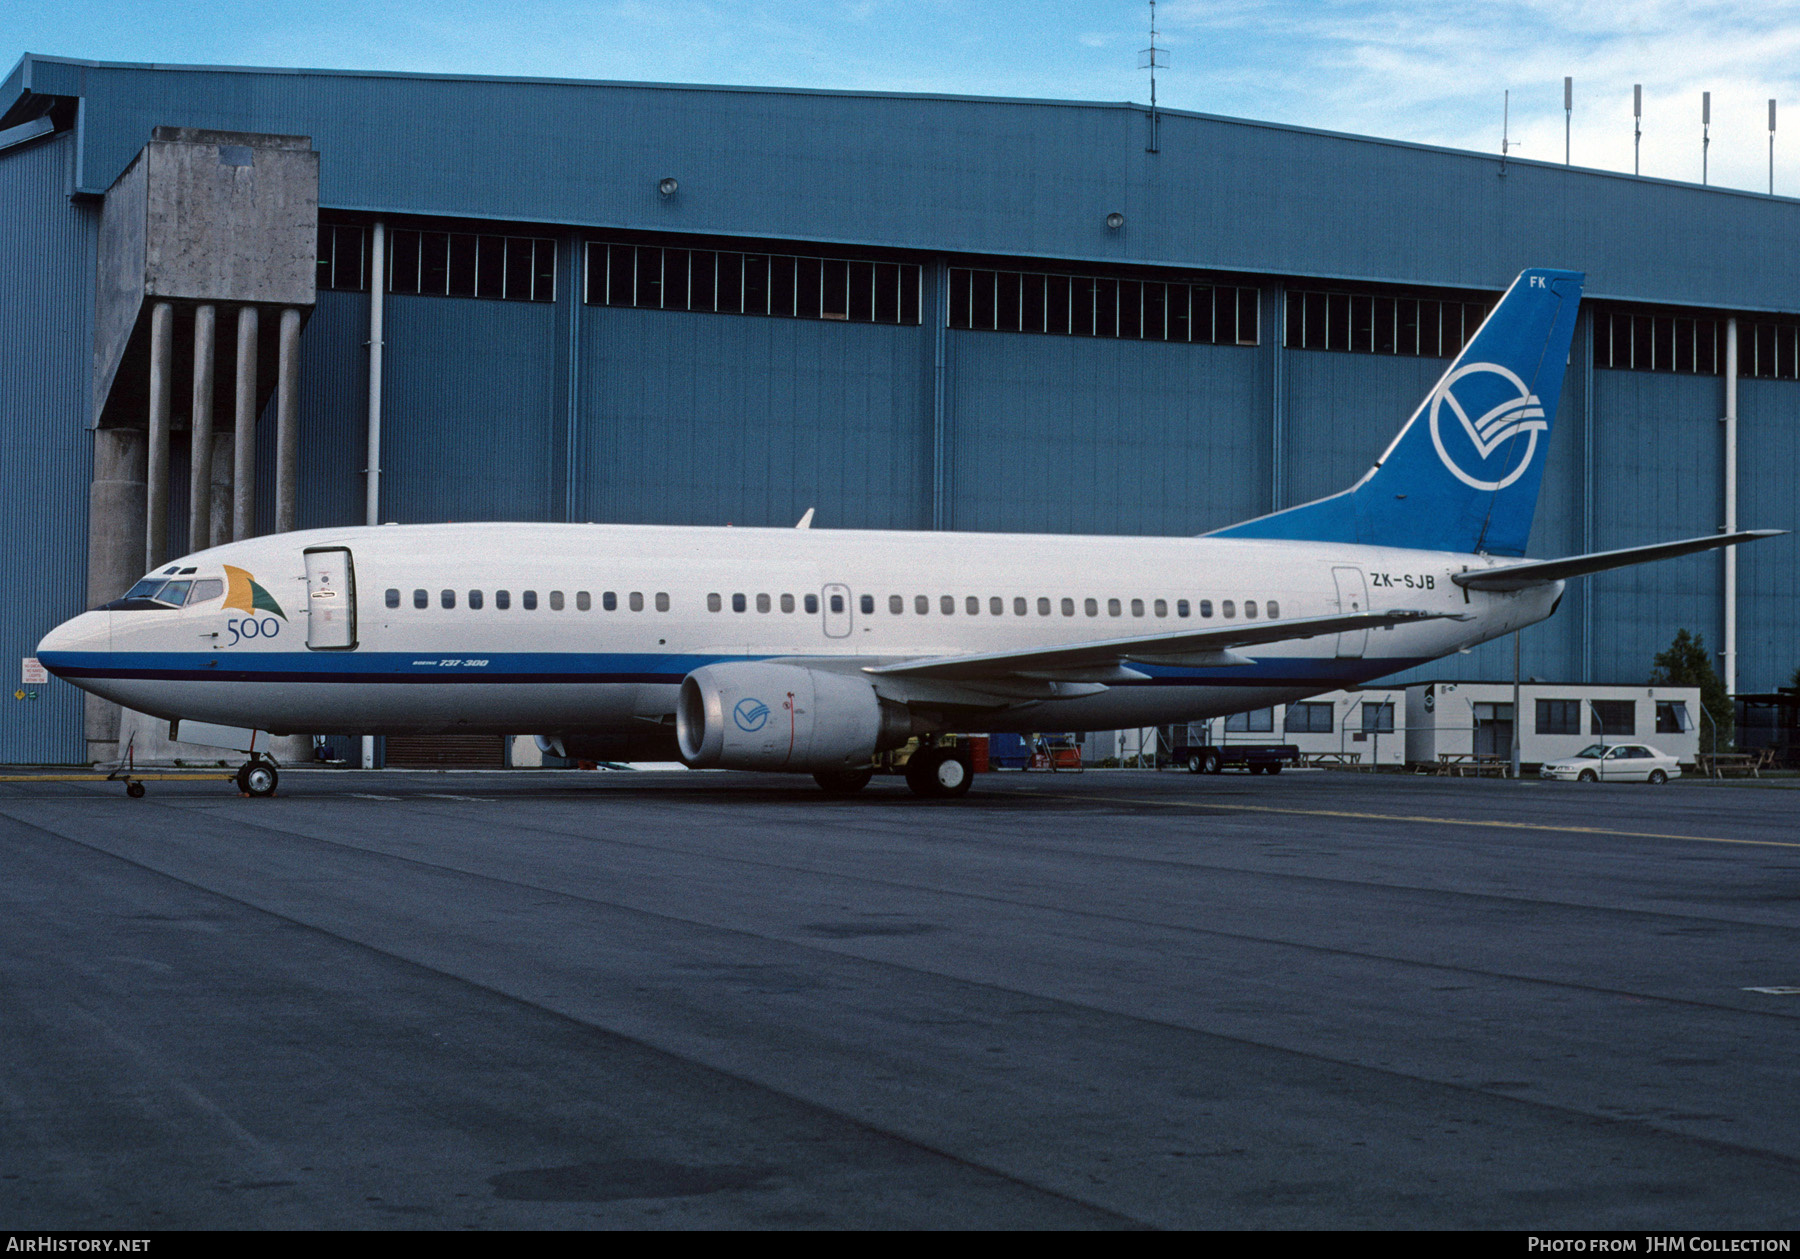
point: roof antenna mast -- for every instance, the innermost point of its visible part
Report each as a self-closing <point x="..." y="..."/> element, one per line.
<point x="1150" y="58"/>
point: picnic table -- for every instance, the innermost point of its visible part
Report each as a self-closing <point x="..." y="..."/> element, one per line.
<point x="1471" y="764"/>
<point x="1331" y="760"/>
<point x="1719" y="764"/>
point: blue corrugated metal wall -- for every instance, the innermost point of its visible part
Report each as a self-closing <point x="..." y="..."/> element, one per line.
<point x="709" y="419"/>
<point x="1072" y="435"/>
<point x="46" y="454"/>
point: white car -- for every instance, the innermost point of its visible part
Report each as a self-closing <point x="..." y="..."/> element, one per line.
<point x="1616" y="762"/>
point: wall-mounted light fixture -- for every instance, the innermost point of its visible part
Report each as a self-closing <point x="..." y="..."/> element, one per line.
<point x="667" y="186"/>
<point x="1115" y="220"/>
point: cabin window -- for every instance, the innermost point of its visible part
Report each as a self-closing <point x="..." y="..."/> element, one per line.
<point x="1137" y="607"/>
<point x="713" y="603"/>
<point x="1227" y="608"/>
<point x="738" y="603"/>
<point x="393" y="597"/>
<point x="837" y="603"/>
<point x="787" y="603"/>
<point x="972" y="606"/>
<point x="1250" y="608"/>
<point x="1091" y="607"/>
<point x="447" y="598"/>
<point x="1068" y="607"/>
<point x="421" y="599"/>
<point x="662" y="601"/>
<point x="1181" y="607"/>
<point x="896" y="604"/>
<point x="764" y="603"/>
<point x="1273" y="609"/>
<point x="1019" y="606"/>
<point x="921" y="604"/>
<point x="1113" y="608"/>
<point x="475" y="599"/>
<point x="868" y="605"/>
<point x="609" y="600"/>
<point x="1043" y="607"/>
<point x="556" y="601"/>
<point x="503" y="599"/>
<point x="812" y="605"/>
<point x="528" y="600"/>
<point x="1160" y="607"/>
<point x="947" y="604"/>
<point x="1206" y="609"/>
<point x="637" y="601"/>
<point x="585" y="602"/>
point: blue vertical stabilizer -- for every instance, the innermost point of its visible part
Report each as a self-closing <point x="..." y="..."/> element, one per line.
<point x="1464" y="473"/>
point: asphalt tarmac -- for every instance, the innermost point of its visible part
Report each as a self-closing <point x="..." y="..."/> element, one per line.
<point x="1107" y="1000"/>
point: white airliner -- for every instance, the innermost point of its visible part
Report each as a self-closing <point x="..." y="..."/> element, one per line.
<point x="812" y="650"/>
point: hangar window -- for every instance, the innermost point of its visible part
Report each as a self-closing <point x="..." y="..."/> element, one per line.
<point x="1380" y="323"/>
<point x="444" y="264"/>
<point x="1685" y="342"/>
<point x="343" y="257"/>
<point x="721" y="281"/>
<point x="1137" y="308"/>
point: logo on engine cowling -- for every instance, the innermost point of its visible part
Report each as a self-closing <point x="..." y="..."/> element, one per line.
<point x="750" y="714"/>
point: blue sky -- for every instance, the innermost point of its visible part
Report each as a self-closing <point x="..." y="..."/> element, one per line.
<point x="1431" y="73"/>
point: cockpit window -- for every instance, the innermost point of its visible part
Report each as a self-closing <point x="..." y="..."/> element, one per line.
<point x="206" y="588"/>
<point x="159" y="592"/>
<point x="146" y="588"/>
<point x="175" y="593"/>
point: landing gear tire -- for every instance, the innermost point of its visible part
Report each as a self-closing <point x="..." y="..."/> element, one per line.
<point x="1658" y="778"/>
<point x="843" y="782"/>
<point x="135" y="790"/>
<point x="257" y="778"/>
<point x="940" y="773"/>
<point x="1587" y="776"/>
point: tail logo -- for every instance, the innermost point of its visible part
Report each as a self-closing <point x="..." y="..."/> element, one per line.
<point x="1502" y="407"/>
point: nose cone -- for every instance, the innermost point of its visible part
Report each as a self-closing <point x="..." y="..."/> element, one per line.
<point x="64" y="647"/>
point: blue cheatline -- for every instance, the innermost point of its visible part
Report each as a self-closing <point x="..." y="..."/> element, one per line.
<point x="1464" y="473"/>
<point x="601" y="667"/>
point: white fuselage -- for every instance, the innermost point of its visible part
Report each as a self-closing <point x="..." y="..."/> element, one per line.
<point x="573" y="664"/>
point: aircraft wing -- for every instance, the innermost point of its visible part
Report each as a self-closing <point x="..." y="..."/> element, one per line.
<point x="1542" y="572"/>
<point x="1105" y="660"/>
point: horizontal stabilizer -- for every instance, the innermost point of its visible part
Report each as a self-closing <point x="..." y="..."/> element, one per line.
<point x="1543" y="572"/>
<point x="1205" y="647"/>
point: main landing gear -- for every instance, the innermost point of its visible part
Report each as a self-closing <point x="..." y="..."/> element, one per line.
<point x="940" y="773"/>
<point x="258" y="777"/>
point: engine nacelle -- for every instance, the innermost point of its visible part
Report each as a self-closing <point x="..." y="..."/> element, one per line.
<point x="782" y="717"/>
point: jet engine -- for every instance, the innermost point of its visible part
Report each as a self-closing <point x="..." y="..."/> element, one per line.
<point x="753" y="715"/>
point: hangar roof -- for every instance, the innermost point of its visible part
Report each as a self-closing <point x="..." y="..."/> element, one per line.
<point x="950" y="174"/>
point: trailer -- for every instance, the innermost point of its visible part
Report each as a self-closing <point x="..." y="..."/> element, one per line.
<point x="1258" y="758"/>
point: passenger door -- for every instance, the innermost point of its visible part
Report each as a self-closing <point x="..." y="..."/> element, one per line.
<point x="330" y="599"/>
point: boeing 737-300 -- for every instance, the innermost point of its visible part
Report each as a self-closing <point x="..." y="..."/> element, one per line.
<point x="814" y="650"/>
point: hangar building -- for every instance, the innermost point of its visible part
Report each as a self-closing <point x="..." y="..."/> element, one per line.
<point x="666" y="303"/>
